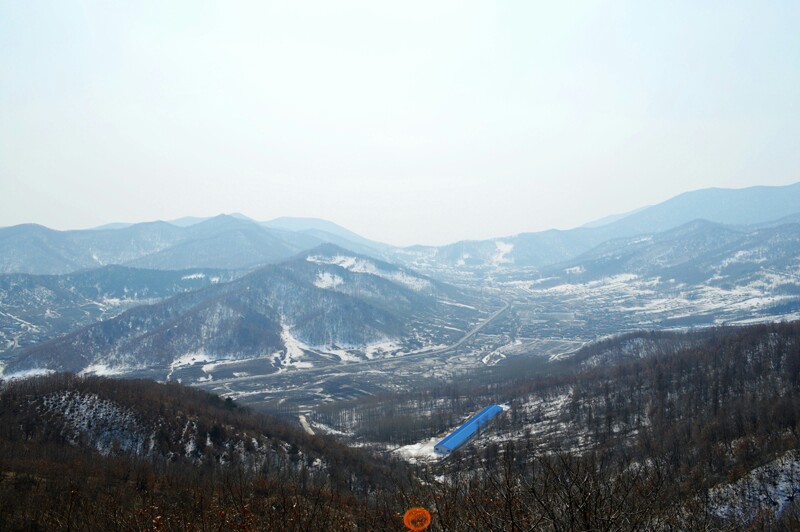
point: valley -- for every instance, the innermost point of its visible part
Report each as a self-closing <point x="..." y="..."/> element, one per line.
<point x="597" y="342"/>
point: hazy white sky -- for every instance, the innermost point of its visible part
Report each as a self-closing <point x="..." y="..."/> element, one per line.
<point x="407" y="122"/>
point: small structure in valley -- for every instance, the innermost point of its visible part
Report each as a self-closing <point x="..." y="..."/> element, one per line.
<point x="468" y="430"/>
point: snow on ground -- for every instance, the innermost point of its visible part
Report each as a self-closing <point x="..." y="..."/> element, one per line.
<point x="321" y="427"/>
<point x="500" y="354"/>
<point x="503" y="249"/>
<point x="358" y="265"/>
<point x="305" y="425"/>
<point x="454" y="304"/>
<point x="409" y="281"/>
<point x="382" y="348"/>
<point x="193" y="276"/>
<point x="765" y="319"/>
<point x="327" y="280"/>
<point x="188" y="359"/>
<point x="103" y="370"/>
<point x="547" y="423"/>
<point x="345" y="355"/>
<point x="108" y="424"/>
<point x="651" y="300"/>
<point x="26" y="324"/>
<point x="744" y="256"/>
<point x="27" y="373"/>
<point x="294" y="350"/>
<point x="772" y="487"/>
<point x="419" y="452"/>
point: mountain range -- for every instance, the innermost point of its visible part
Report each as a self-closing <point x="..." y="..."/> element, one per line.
<point x="750" y="207"/>
<point x="323" y="306"/>
<point x="231" y="298"/>
<point x="236" y="242"/>
<point x="224" y="242"/>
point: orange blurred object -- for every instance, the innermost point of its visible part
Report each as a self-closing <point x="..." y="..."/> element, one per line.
<point x="417" y="519"/>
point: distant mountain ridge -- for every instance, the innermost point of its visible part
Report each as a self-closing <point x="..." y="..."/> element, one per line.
<point x="223" y="242"/>
<point x="235" y="242"/>
<point x="754" y="206"/>
<point x="745" y="206"/>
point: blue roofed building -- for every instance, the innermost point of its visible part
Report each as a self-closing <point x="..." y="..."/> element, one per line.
<point x="468" y="430"/>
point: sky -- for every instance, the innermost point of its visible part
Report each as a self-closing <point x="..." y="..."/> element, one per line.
<point x="414" y="122"/>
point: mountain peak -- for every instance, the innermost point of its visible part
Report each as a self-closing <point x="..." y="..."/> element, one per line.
<point x="226" y="221"/>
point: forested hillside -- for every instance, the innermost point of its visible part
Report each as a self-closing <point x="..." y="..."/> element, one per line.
<point x="644" y="427"/>
<point x="101" y="454"/>
<point x="652" y="430"/>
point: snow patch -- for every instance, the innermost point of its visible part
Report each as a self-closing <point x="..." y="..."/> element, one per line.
<point x="358" y="265"/>
<point x="189" y="359"/>
<point x="305" y="425"/>
<point x="419" y="452"/>
<point x="501" y="256"/>
<point x="294" y="350"/>
<point x="103" y="370"/>
<point x="109" y="425"/>
<point x="192" y="276"/>
<point x="27" y="374"/>
<point x="382" y="348"/>
<point x="327" y="280"/>
<point x="772" y="487"/>
<point x="454" y="304"/>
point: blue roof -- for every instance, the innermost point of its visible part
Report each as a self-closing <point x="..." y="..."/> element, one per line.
<point x="462" y="434"/>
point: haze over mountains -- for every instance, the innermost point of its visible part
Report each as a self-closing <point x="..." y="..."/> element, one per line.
<point x="205" y="299"/>
<point x="755" y="206"/>
<point x="237" y="242"/>
<point x="229" y="242"/>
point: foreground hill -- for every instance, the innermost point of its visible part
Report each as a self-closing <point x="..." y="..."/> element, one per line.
<point x="324" y="307"/>
<point x="645" y="431"/>
<point x="96" y="454"/>
<point x="650" y="430"/>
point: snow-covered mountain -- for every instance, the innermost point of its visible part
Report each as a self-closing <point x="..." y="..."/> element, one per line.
<point x="322" y="307"/>
<point x="698" y="251"/>
<point x="37" y="308"/>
